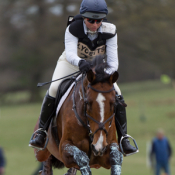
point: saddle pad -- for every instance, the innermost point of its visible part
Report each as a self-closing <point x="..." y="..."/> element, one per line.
<point x="63" y="97"/>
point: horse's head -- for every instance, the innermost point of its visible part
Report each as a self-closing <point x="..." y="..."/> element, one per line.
<point x="100" y="95"/>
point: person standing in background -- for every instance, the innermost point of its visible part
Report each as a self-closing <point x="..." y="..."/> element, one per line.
<point x="2" y="162"/>
<point x="162" y="151"/>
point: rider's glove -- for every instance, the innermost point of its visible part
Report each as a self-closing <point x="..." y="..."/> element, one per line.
<point x="84" y="66"/>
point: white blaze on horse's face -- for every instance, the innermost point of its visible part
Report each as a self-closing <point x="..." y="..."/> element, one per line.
<point x="100" y="99"/>
<point x="99" y="144"/>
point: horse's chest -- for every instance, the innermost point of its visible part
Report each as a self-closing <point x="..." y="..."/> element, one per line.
<point x="82" y="145"/>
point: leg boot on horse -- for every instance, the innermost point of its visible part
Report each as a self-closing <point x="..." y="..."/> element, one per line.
<point x="121" y="126"/>
<point x="47" y="112"/>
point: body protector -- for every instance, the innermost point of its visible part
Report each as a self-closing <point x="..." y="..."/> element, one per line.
<point x="88" y="49"/>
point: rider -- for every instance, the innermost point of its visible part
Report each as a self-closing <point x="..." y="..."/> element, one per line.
<point x="88" y="35"/>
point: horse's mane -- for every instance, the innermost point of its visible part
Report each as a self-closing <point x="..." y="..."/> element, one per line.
<point x="99" y="65"/>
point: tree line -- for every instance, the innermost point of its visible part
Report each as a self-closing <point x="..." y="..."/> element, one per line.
<point x="32" y="36"/>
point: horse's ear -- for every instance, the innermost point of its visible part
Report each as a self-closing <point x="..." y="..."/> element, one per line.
<point x="114" y="77"/>
<point x="90" y="76"/>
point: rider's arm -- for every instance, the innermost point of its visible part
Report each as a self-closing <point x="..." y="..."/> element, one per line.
<point x="112" y="54"/>
<point x="71" y="43"/>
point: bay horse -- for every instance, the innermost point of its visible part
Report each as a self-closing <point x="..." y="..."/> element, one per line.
<point x="86" y="126"/>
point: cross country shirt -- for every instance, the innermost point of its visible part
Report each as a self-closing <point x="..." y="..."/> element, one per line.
<point x="79" y="44"/>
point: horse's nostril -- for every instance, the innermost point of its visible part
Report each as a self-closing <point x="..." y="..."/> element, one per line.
<point x="93" y="147"/>
<point x="104" y="149"/>
<point x="94" y="150"/>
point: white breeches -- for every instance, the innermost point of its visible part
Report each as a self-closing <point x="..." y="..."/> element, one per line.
<point x="64" y="68"/>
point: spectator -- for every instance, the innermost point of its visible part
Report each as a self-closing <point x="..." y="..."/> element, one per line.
<point x="162" y="151"/>
<point x="2" y="162"/>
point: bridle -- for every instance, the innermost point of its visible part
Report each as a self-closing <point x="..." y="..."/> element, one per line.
<point x="87" y="126"/>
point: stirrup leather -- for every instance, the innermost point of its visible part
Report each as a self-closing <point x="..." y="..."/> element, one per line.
<point x="128" y="136"/>
<point x="46" y="142"/>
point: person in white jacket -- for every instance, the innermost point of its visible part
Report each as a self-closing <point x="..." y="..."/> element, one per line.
<point x="88" y="35"/>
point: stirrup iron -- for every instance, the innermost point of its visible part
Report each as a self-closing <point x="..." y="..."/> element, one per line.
<point x="46" y="142"/>
<point x="128" y="136"/>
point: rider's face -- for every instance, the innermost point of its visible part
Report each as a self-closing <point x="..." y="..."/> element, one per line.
<point x="92" y="27"/>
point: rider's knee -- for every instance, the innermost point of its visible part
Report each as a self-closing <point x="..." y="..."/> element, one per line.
<point x="53" y="90"/>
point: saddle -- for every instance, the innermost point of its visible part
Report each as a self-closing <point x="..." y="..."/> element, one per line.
<point x="62" y="89"/>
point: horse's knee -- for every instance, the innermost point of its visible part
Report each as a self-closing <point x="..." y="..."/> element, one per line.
<point x="116" y="157"/>
<point x="80" y="157"/>
<point x="74" y="157"/>
<point x="53" y="89"/>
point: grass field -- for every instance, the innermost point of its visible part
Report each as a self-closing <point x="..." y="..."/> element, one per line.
<point x="151" y="105"/>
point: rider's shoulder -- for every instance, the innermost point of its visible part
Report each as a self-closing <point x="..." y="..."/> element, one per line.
<point x="76" y="20"/>
<point x="76" y="26"/>
<point x="108" y="28"/>
<point x="78" y="17"/>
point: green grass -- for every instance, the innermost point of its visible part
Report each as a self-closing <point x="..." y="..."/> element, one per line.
<point x="151" y="105"/>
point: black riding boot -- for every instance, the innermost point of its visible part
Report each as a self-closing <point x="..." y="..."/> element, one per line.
<point x="121" y="124"/>
<point x="47" y="112"/>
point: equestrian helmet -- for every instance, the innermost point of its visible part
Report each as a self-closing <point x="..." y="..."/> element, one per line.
<point x="94" y="9"/>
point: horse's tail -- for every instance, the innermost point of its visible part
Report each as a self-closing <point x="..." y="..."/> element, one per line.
<point x="56" y="163"/>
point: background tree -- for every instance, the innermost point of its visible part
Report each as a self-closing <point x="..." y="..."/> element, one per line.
<point x="32" y="36"/>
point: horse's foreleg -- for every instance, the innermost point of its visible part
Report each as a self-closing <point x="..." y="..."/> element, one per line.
<point x="71" y="171"/>
<point x="73" y="156"/>
<point x="116" y="159"/>
<point x="47" y="167"/>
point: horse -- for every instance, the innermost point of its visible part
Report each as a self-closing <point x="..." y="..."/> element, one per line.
<point x="85" y="126"/>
